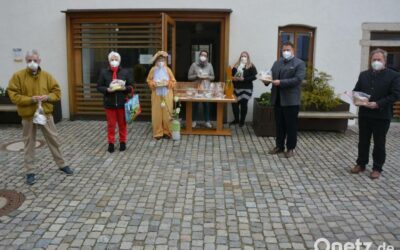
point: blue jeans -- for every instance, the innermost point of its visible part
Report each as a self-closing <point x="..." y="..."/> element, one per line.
<point x="206" y="111"/>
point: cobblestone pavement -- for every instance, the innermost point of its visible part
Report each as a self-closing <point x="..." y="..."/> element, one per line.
<point x="203" y="192"/>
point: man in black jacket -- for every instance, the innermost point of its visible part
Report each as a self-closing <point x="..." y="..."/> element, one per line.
<point x="383" y="86"/>
<point x="287" y="73"/>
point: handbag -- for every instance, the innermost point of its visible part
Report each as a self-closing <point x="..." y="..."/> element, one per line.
<point x="132" y="107"/>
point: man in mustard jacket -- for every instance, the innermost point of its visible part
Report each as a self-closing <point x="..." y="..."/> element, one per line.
<point x="26" y="89"/>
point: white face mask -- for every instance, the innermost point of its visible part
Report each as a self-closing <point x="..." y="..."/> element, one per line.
<point x="203" y="58"/>
<point x="160" y="64"/>
<point x="243" y="60"/>
<point x="114" y="63"/>
<point x="287" y="54"/>
<point x="377" y="65"/>
<point x="33" y="65"/>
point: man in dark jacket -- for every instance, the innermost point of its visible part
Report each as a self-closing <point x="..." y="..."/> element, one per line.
<point x="383" y="86"/>
<point x="287" y="73"/>
<point x="114" y="98"/>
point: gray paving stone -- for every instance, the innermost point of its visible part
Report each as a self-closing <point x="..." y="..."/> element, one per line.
<point x="203" y="192"/>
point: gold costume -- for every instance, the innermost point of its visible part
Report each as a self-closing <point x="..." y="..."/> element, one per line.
<point x="161" y="116"/>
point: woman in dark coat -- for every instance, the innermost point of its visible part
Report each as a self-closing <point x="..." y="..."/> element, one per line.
<point x="115" y="83"/>
<point x="244" y="73"/>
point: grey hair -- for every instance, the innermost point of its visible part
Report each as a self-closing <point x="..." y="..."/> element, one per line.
<point x="113" y="53"/>
<point x="383" y="52"/>
<point x="32" y="53"/>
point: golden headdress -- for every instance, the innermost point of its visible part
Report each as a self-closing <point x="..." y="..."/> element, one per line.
<point x="159" y="53"/>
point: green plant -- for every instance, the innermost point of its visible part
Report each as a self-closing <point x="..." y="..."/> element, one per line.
<point x="2" y="91"/>
<point x="317" y="93"/>
<point x="265" y="99"/>
<point x="176" y="109"/>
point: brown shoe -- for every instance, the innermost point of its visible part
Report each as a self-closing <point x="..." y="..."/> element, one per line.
<point x="275" y="151"/>
<point x="289" y="153"/>
<point x="357" y="169"/>
<point x="375" y="175"/>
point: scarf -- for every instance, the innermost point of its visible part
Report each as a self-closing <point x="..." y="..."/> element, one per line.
<point x="114" y="70"/>
<point x="202" y="64"/>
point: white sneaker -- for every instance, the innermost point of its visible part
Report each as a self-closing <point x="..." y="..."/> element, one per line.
<point x="194" y="124"/>
<point x="208" y="125"/>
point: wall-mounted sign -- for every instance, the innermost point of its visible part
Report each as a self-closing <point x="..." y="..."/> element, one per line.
<point x="18" y="56"/>
<point x="145" y="59"/>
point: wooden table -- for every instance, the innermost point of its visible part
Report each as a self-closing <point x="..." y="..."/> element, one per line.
<point x="219" y="130"/>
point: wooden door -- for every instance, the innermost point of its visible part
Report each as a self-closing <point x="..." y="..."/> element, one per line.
<point x="169" y="39"/>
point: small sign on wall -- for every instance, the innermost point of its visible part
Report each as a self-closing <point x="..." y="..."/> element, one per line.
<point x="145" y="59"/>
<point x="18" y="56"/>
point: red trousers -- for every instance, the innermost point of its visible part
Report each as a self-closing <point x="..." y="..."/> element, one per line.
<point x="114" y="116"/>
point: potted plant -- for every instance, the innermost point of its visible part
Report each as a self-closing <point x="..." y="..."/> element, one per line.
<point x="175" y="122"/>
<point x="13" y="117"/>
<point x="263" y="116"/>
<point x="318" y="96"/>
<point x="7" y="116"/>
<point x="4" y="99"/>
<point x="2" y="91"/>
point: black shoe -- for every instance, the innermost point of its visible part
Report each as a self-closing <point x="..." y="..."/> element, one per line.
<point x="241" y="124"/>
<point x="30" y="179"/>
<point x="122" y="146"/>
<point x="110" y="147"/>
<point x="67" y="170"/>
<point x="234" y="122"/>
<point x="166" y="137"/>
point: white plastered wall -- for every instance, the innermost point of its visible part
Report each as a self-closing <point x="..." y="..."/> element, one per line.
<point x="254" y="26"/>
